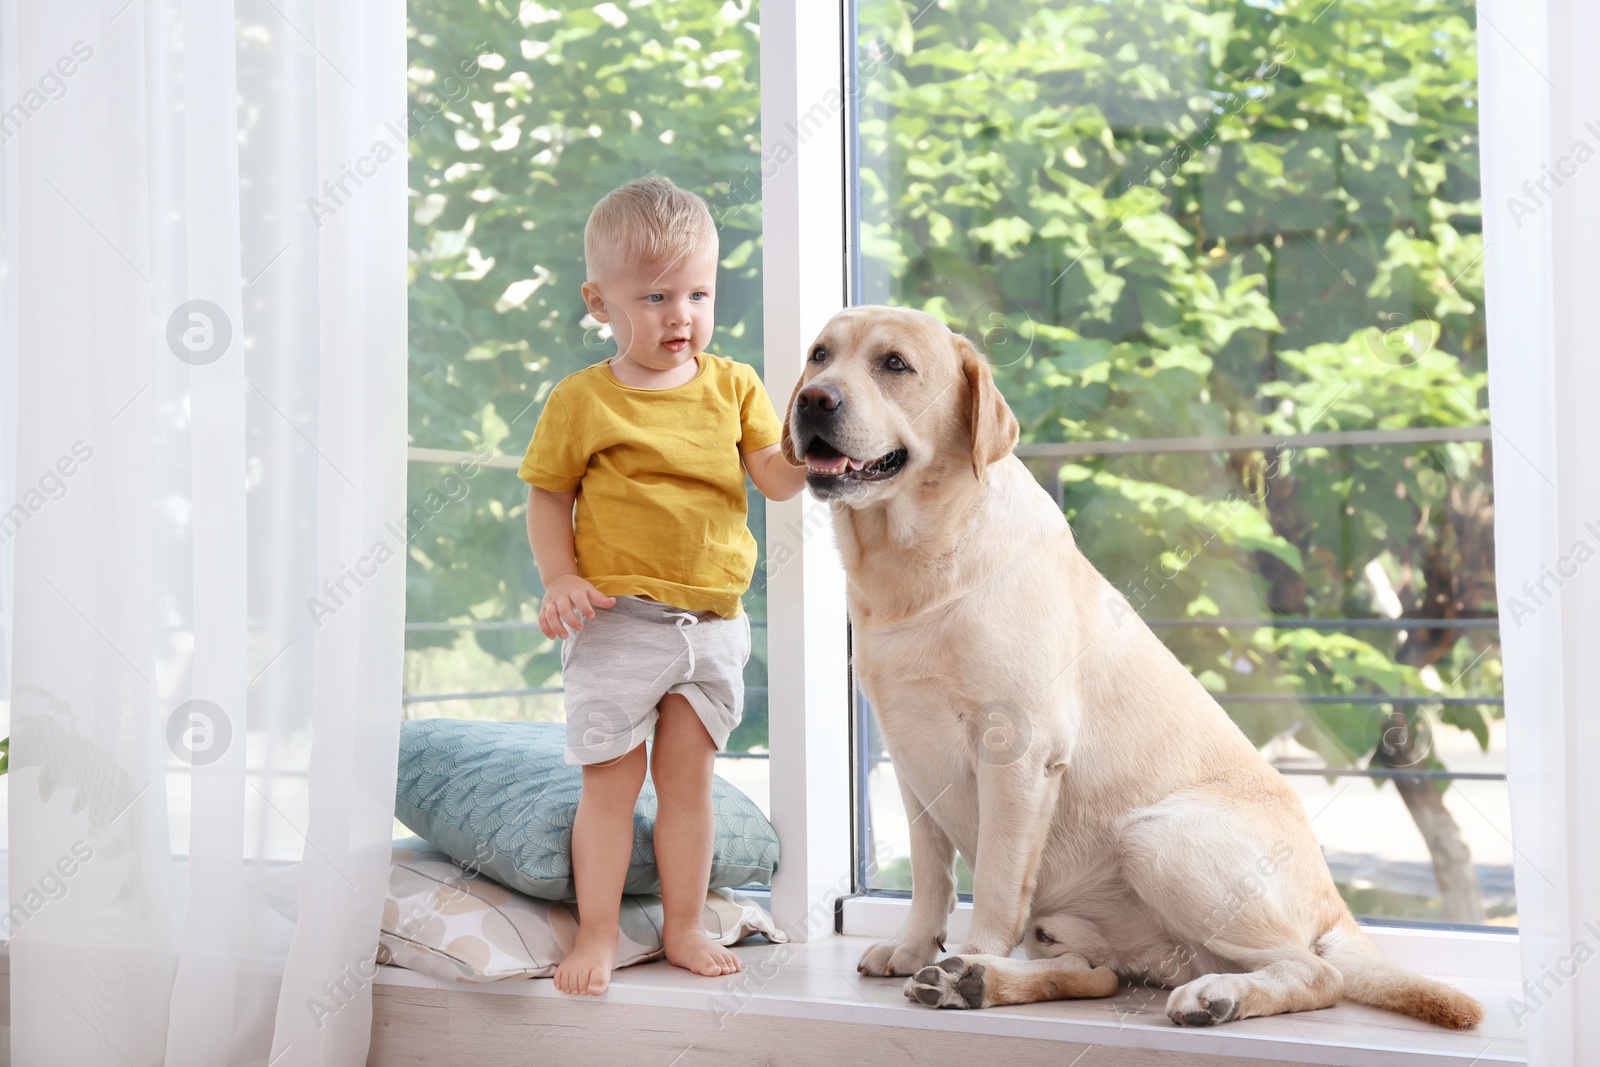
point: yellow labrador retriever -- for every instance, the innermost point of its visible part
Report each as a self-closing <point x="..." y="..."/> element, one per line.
<point x="1117" y="823"/>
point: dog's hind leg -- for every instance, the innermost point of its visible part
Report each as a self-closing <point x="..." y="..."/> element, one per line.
<point x="986" y="981"/>
<point x="1282" y="977"/>
<point x="1069" y="958"/>
<point x="1133" y="944"/>
<point x="1230" y="897"/>
<point x="933" y="897"/>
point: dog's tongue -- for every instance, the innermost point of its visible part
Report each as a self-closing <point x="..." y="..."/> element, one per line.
<point x="832" y="464"/>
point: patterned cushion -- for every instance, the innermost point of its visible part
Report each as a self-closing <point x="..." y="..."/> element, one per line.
<point x="500" y="796"/>
<point x="453" y="924"/>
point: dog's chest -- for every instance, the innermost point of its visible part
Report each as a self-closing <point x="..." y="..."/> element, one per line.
<point x="913" y="678"/>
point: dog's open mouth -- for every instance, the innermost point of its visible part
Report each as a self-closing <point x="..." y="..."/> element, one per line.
<point x="825" y="461"/>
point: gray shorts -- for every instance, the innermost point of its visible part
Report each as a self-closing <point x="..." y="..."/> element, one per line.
<point x="625" y="659"/>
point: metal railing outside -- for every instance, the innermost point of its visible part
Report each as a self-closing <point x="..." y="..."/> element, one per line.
<point x="1033" y="454"/>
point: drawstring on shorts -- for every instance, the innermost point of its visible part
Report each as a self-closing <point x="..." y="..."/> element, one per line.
<point x="686" y="618"/>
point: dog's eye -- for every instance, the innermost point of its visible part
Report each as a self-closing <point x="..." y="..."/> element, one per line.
<point x="895" y="363"/>
<point x="1043" y="938"/>
<point x="819" y="354"/>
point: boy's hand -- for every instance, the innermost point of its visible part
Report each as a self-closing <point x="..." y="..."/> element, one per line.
<point x="569" y="600"/>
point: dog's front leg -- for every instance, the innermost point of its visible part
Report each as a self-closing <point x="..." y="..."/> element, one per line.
<point x="933" y="897"/>
<point x="1016" y="806"/>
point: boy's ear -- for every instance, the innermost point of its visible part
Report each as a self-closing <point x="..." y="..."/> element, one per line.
<point x="786" y="442"/>
<point x="594" y="302"/>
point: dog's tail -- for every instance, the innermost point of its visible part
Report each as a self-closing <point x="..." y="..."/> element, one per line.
<point x="1369" y="978"/>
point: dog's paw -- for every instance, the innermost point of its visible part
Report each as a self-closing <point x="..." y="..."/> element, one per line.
<point x="1206" y="1001"/>
<point x="953" y="982"/>
<point x="893" y="959"/>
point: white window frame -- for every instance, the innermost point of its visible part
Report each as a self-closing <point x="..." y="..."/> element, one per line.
<point x="808" y="683"/>
<point x="804" y="218"/>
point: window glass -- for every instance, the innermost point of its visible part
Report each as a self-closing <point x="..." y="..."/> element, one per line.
<point x="1226" y="260"/>
<point x="522" y="116"/>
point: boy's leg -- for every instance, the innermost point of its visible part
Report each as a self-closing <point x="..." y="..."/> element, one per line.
<point x="680" y="766"/>
<point x="602" y="842"/>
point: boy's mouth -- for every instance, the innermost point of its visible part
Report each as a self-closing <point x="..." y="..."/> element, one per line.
<point x="675" y="344"/>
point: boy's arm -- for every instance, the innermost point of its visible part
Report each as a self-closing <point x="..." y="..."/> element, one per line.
<point x="776" y="477"/>
<point x="568" y="598"/>
<point x="550" y="533"/>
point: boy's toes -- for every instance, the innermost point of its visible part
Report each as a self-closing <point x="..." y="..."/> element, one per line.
<point x="716" y="963"/>
<point x="694" y="951"/>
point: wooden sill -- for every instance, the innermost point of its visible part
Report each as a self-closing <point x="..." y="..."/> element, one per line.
<point x="805" y="1005"/>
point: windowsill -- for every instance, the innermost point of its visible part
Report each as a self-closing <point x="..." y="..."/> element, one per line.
<point x="818" y="983"/>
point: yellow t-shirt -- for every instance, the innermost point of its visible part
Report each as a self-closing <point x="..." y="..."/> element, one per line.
<point x="661" y="507"/>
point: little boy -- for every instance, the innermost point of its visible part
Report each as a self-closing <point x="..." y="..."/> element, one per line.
<point x="643" y="582"/>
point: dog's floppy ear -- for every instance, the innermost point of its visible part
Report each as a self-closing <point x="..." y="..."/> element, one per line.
<point x="994" y="427"/>
<point x="786" y="442"/>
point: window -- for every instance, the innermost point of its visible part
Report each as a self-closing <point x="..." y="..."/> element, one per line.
<point x="1234" y="295"/>
<point x="523" y="116"/>
<point x="1226" y="262"/>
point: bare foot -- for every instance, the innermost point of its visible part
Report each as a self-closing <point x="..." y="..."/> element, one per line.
<point x="587" y="968"/>
<point x="688" y="947"/>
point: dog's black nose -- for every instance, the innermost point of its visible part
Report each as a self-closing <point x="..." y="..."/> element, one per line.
<point x="825" y="398"/>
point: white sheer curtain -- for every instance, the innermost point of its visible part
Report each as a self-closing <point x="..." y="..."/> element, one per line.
<point x="8" y="363"/>
<point x="1541" y="197"/>
<point x="210" y="432"/>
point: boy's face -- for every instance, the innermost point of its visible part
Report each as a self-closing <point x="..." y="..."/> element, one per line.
<point x="660" y="314"/>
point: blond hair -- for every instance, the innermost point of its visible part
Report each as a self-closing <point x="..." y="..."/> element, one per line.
<point x="649" y="220"/>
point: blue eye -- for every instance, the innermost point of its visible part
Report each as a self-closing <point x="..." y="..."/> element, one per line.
<point x="655" y="298"/>
<point x="702" y="295"/>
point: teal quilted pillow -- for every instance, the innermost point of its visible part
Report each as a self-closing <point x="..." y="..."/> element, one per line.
<point x="501" y="795"/>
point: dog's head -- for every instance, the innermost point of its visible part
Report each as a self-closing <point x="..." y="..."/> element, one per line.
<point x="890" y="397"/>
